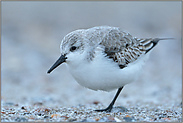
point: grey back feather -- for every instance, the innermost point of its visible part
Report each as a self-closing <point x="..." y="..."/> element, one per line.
<point x="124" y="49"/>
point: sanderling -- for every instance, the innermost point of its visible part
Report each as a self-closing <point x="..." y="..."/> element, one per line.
<point x="104" y="57"/>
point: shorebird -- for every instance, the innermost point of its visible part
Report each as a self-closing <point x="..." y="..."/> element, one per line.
<point x="104" y="58"/>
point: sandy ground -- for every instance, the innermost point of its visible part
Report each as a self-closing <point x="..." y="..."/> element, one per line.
<point x="31" y="35"/>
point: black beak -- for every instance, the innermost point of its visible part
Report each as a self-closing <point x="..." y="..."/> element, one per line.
<point x="57" y="63"/>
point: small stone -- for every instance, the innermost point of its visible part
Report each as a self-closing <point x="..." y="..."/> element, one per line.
<point x="119" y="109"/>
<point x="38" y="103"/>
<point x="117" y="119"/>
<point x="97" y="119"/>
<point x="3" y="112"/>
<point x="111" y="119"/>
<point x="65" y="117"/>
<point x="55" y="115"/>
<point x="23" y="108"/>
<point x="46" y="116"/>
<point x="72" y="119"/>
<point x="166" y="118"/>
<point x="21" y="119"/>
<point x="39" y="114"/>
<point x="47" y="110"/>
<point x="26" y="113"/>
<point x="128" y="119"/>
<point x="96" y="102"/>
<point x="127" y="116"/>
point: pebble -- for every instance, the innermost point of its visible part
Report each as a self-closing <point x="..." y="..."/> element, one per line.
<point x="85" y="113"/>
<point x="20" y="119"/>
<point x="128" y="119"/>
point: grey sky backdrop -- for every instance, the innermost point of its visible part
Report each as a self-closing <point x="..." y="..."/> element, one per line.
<point x="30" y="41"/>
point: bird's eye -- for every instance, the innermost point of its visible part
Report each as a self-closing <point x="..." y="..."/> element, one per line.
<point x="73" y="48"/>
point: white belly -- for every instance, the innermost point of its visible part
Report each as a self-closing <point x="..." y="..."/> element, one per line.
<point x="104" y="74"/>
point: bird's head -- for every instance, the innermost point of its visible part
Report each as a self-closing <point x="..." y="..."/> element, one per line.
<point x="71" y="48"/>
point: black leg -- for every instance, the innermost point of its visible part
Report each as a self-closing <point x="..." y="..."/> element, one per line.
<point x="109" y="108"/>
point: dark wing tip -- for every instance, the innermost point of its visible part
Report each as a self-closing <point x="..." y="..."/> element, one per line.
<point x="155" y="42"/>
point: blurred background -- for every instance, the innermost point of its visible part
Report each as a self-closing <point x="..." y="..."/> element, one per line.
<point x="31" y="33"/>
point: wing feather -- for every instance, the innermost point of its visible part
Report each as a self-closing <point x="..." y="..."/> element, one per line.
<point x="125" y="49"/>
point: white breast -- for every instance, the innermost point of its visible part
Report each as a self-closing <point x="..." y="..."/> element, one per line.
<point x="104" y="74"/>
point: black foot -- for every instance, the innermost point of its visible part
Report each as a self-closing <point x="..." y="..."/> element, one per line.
<point x="108" y="109"/>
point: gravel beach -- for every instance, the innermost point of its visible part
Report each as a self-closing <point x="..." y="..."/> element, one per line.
<point x="30" y="41"/>
<point x="132" y="112"/>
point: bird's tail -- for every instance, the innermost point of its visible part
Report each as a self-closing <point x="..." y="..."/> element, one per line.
<point x="149" y="43"/>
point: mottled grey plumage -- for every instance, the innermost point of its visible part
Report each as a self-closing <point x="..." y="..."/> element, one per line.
<point x="117" y="44"/>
